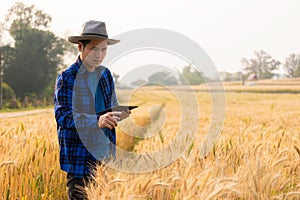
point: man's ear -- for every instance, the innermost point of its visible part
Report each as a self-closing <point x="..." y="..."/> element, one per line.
<point x="80" y="47"/>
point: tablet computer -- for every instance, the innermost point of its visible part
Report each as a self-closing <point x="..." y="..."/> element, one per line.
<point x="117" y="108"/>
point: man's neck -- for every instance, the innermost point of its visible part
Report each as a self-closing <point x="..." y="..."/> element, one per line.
<point x="87" y="67"/>
<point x="90" y="69"/>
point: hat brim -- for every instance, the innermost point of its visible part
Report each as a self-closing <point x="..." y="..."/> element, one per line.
<point x="76" y="39"/>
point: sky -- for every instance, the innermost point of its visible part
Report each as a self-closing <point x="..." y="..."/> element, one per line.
<point x="226" y="30"/>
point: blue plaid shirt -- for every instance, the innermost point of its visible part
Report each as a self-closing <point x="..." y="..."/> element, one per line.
<point x="81" y="141"/>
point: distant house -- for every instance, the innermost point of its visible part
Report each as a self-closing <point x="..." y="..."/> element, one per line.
<point x="252" y="77"/>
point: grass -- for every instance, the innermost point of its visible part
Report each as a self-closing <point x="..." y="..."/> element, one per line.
<point x="6" y="110"/>
<point x="29" y="164"/>
<point x="257" y="155"/>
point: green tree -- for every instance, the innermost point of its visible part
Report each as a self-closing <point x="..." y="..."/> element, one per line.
<point x="292" y="65"/>
<point x="191" y="76"/>
<point x="297" y="72"/>
<point x="226" y="76"/>
<point x="162" y="77"/>
<point x="37" y="52"/>
<point x="8" y="53"/>
<point x="8" y="92"/>
<point x="262" y="66"/>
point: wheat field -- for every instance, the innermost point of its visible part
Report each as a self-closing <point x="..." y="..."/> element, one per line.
<point x="257" y="155"/>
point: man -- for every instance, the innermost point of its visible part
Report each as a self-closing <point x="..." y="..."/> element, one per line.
<point x="81" y="91"/>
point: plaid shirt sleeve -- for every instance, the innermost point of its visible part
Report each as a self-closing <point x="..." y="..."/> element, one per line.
<point x="65" y="111"/>
<point x="63" y="103"/>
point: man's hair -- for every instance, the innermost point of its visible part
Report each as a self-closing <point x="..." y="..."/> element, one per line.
<point x="85" y="42"/>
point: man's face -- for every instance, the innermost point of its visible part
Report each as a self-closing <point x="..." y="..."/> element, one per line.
<point x="93" y="54"/>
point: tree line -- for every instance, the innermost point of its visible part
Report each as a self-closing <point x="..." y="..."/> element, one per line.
<point x="264" y="66"/>
<point x="189" y="75"/>
<point x="32" y="58"/>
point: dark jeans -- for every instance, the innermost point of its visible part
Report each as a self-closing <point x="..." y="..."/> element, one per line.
<point x="76" y="187"/>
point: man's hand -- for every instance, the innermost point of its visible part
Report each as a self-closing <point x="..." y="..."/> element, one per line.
<point x="124" y="114"/>
<point x="110" y="119"/>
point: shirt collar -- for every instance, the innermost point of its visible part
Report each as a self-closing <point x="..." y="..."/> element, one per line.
<point x="82" y="70"/>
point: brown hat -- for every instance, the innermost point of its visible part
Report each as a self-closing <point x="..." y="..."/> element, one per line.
<point x="92" y="30"/>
